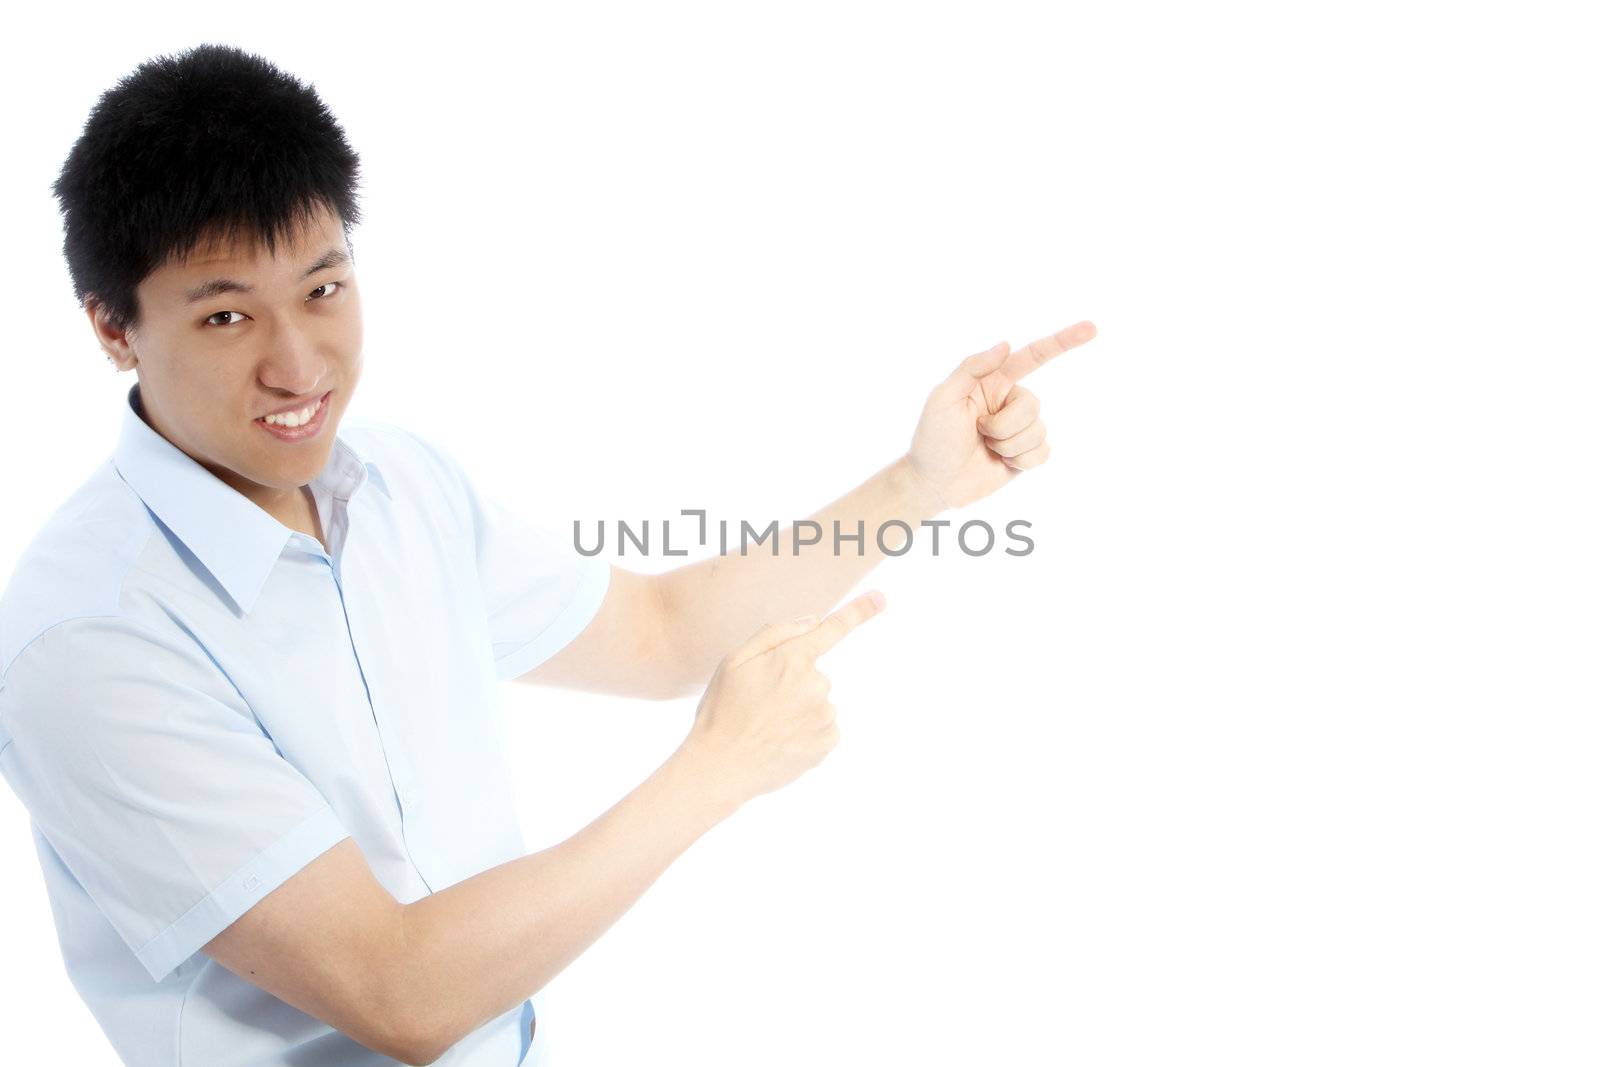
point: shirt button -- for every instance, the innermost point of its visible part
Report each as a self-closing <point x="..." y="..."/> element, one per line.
<point x="408" y="795"/>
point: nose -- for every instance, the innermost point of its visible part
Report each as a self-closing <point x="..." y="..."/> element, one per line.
<point x="293" y="365"/>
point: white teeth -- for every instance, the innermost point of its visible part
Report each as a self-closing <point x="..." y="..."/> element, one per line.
<point x="293" y="418"/>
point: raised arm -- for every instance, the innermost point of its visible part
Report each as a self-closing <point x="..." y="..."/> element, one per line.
<point x="979" y="429"/>
<point x="659" y="636"/>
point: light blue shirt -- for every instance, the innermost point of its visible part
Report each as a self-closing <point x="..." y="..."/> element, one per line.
<point x="197" y="701"/>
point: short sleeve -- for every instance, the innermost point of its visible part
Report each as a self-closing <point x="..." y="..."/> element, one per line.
<point x="539" y="591"/>
<point x="143" y="768"/>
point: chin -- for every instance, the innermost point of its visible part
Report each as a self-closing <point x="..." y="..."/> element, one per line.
<point x="281" y="472"/>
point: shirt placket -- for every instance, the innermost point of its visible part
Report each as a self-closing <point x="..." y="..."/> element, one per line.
<point x="402" y="777"/>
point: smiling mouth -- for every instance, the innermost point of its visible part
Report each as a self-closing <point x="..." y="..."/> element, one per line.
<point x="295" y="425"/>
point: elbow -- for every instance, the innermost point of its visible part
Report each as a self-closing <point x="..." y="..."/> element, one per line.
<point x="406" y="1010"/>
<point x="676" y="687"/>
<point x="400" y="1042"/>
<point x="402" y="1036"/>
<point x="409" y="1041"/>
<point x="673" y="674"/>
<point x="423" y="1053"/>
<point x="671" y="677"/>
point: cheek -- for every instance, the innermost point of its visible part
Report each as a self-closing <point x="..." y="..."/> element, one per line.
<point x="211" y="388"/>
<point x="350" y="330"/>
<point x="350" y="354"/>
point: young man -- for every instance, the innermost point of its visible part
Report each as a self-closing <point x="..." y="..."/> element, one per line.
<point x="248" y="670"/>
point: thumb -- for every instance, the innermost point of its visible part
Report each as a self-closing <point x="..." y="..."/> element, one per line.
<point x="972" y="368"/>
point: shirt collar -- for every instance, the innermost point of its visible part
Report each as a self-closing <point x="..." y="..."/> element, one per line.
<point x="232" y="537"/>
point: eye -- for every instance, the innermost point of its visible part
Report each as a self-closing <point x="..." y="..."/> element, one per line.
<point x="319" y="289"/>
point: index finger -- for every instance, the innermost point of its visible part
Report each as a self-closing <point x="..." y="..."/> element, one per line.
<point x="831" y="630"/>
<point x="1025" y="360"/>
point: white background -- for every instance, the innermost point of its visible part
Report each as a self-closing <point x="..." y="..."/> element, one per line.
<point x="1281" y="746"/>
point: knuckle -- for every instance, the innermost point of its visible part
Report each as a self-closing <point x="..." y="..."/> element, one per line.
<point x="793" y="667"/>
<point x="1033" y="457"/>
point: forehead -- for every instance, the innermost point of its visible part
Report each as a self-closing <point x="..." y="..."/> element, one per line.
<point x="241" y="258"/>
<point x="311" y="234"/>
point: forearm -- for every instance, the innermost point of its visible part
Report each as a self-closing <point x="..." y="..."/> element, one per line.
<point x="715" y="603"/>
<point x="479" y="948"/>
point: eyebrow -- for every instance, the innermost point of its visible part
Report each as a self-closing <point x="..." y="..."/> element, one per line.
<point x="333" y="257"/>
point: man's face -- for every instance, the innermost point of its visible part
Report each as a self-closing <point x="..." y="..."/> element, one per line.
<point x="213" y="359"/>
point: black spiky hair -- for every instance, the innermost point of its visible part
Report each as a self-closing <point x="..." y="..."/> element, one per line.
<point x="211" y="144"/>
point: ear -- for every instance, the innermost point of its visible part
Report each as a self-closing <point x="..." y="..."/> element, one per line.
<point x="116" y="343"/>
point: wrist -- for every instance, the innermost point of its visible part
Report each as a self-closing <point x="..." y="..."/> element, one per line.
<point x="695" y="775"/>
<point x="919" y="496"/>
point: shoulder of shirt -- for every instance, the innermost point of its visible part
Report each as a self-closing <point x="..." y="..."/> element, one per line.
<point x="80" y="561"/>
<point x="77" y="563"/>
